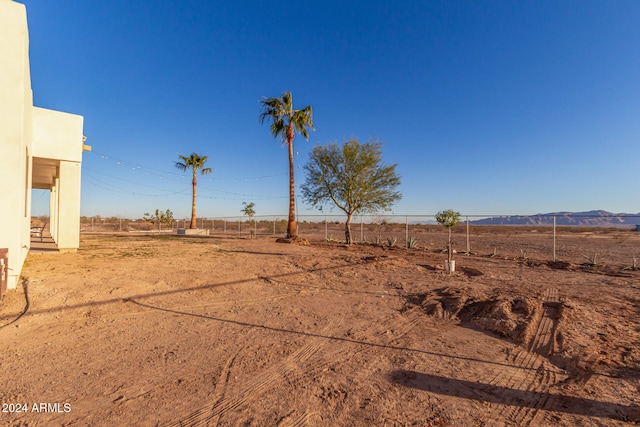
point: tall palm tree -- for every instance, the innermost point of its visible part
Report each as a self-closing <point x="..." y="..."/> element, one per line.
<point x="195" y="163"/>
<point x="285" y="121"/>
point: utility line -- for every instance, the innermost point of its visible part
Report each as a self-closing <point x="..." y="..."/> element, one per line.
<point x="202" y="188"/>
<point x="186" y="191"/>
<point x="135" y="166"/>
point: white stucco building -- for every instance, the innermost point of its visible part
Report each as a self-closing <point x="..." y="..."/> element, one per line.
<point x="39" y="149"/>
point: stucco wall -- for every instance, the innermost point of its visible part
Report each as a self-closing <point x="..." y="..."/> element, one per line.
<point x="57" y="135"/>
<point x="15" y="135"/>
<point x="33" y="141"/>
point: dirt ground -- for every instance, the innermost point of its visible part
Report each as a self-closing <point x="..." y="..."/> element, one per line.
<point x="187" y="331"/>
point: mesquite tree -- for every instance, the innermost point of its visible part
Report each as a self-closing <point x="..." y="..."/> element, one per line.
<point x="353" y="177"/>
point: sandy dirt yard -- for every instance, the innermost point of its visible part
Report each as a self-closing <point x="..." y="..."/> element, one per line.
<point x="186" y="331"/>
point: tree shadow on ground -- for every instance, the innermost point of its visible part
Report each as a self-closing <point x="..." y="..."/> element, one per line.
<point x="535" y="400"/>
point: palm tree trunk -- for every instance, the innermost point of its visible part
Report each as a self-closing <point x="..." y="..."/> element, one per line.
<point x="193" y="203"/>
<point x="292" y="227"/>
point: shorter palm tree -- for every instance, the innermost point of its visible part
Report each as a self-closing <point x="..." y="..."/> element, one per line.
<point x="196" y="163"/>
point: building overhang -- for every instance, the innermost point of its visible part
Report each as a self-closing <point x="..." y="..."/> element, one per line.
<point x="45" y="172"/>
<point x="57" y="137"/>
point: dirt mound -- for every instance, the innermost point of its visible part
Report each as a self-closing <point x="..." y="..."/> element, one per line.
<point x="572" y="336"/>
<point x="560" y="265"/>
<point x="293" y="241"/>
<point x="508" y="317"/>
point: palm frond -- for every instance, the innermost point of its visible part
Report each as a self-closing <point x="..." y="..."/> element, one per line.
<point x="303" y="121"/>
<point x="287" y="101"/>
<point x="271" y="108"/>
<point x="194" y="162"/>
<point x="281" y="113"/>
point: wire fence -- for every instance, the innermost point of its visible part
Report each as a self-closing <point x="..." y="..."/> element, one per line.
<point x="612" y="240"/>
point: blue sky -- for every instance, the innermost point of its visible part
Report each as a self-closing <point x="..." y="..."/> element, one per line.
<point x="487" y="107"/>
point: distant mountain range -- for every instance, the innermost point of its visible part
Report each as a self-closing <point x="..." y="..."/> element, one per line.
<point x="585" y="219"/>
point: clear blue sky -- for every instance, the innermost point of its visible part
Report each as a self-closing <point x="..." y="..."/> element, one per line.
<point x="487" y="107"/>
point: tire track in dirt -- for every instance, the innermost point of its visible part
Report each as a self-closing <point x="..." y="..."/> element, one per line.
<point x="217" y="407"/>
<point x="305" y="362"/>
<point x="541" y="343"/>
<point x="550" y="378"/>
<point x="260" y="384"/>
<point x="203" y="416"/>
<point x="542" y="347"/>
<point x="299" y="421"/>
<point x="533" y="374"/>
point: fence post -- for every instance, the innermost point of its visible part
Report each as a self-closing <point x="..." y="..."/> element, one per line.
<point x="225" y="225"/>
<point x="468" y="245"/>
<point x="239" y="227"/>
<point x="554" y="238"/>
<point x="274" y="225"/>
<point x="326" y="229"/>
<point x="406" y="231"/>
<point x="361" y="230"/>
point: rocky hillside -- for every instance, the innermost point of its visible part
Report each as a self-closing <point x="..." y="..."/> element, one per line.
<point x="597" y="218"/>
